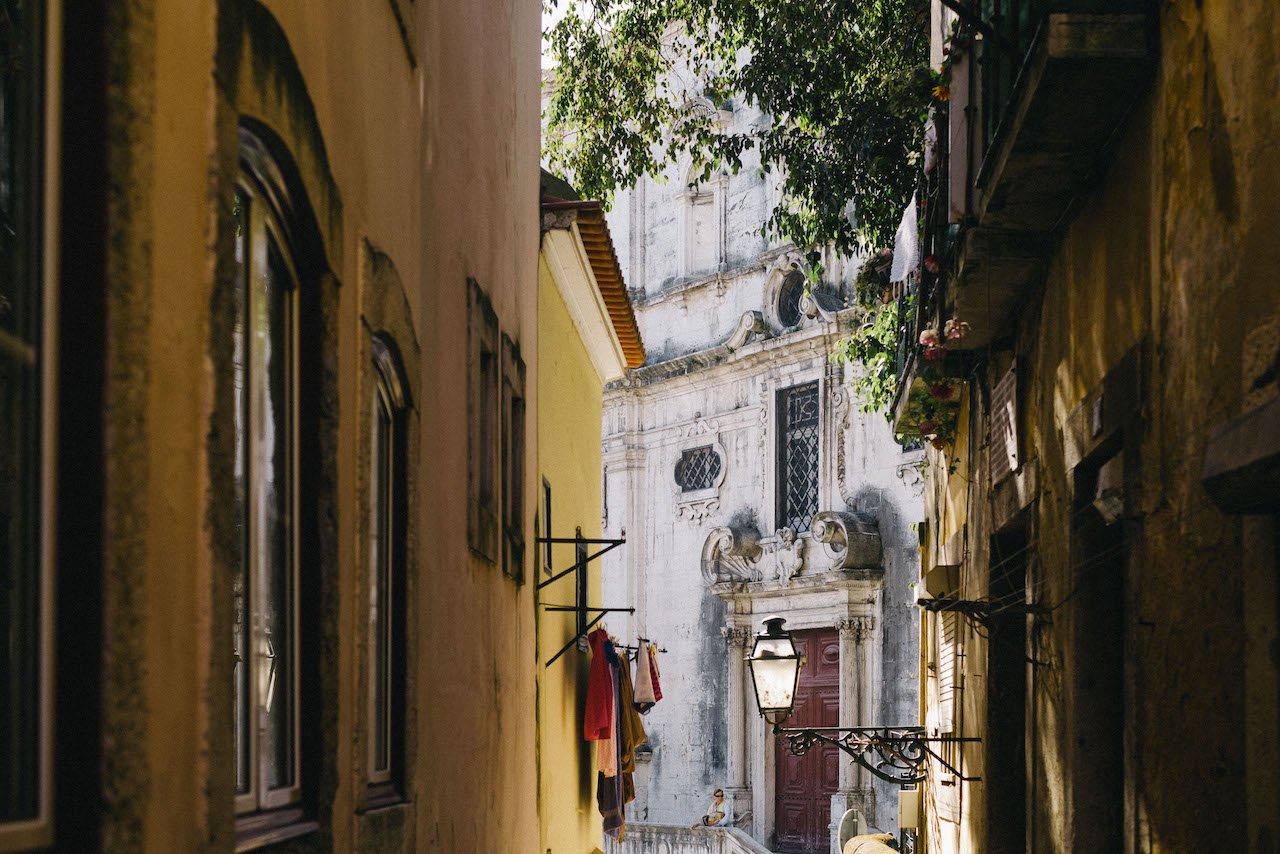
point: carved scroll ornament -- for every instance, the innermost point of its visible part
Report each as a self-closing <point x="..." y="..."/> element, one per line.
<point x="731" y="555"/>
<point x="847" y="540"/>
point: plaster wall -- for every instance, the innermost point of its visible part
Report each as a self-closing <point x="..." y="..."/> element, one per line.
<point x="732" y="406"/>
<point x="413" y="129"/>
<point x="569" y="394"/>
<point x="1160" y="261"/>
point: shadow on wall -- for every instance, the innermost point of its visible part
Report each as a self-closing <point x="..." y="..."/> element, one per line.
<point x="712" y="670"/>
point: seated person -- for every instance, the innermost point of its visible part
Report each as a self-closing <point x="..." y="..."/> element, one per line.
<point x="718" y="814"/>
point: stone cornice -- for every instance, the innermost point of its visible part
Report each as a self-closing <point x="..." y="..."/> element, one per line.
<point x="725" y="359"/>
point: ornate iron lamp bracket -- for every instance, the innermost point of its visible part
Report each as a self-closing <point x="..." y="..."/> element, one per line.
<point x="897" y="754"/>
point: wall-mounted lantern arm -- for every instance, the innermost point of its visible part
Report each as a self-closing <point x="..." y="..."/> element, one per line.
<point x="896" y="754"/>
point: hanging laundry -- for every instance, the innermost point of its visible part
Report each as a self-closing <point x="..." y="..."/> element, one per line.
<point x="607" y="748"/>
<point x="653" y="673"/>
<point x="599" y="714"/>
<point x="631" y="732"/>
<point x="608" y="799"/>
<point x="645" y="698"/>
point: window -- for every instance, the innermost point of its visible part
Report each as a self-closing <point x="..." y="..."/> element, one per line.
<point x="947" y="633"/>
<point x="798" y="456"/>
<point x="25" y="565"/>
<point x="512" y="460"/>
<point x="483" y="414"/>
<point x="266" y="588"/>
<point x="698" y="469"/>
<point x="388" y="498"/>
<point x="789" y="297"/>
<point x="496" y="411"/>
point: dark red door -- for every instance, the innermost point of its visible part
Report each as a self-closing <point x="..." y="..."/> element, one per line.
<point x="805" y="784"/>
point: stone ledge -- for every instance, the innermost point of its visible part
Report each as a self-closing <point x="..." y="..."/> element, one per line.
<point x="1241" y="469"/>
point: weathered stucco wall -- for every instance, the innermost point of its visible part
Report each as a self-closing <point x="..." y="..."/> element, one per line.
<point x="1164" y="261"/>
<point x="732" y="406"/>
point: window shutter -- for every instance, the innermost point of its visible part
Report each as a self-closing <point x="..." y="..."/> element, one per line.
<point x="948" y="639"/>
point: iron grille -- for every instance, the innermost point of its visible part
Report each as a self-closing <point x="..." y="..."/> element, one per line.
<point x="698" y="469"/>
<point x="798" y="456"/>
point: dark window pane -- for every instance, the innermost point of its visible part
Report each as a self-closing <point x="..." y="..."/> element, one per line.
<point x="21" y="655"/>
<point x="798" y="457"/>
<point x="789" y="299"/>
<point x="381" y="592"/>
<point x="697" y="469"/>
<point x="273" y="466"/>
<point x="243" y="716"/>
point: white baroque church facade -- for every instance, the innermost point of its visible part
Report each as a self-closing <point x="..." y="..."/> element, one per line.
<point x="749" y="484"/>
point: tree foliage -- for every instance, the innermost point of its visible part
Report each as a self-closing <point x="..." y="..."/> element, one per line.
<point x="638" y="84"/>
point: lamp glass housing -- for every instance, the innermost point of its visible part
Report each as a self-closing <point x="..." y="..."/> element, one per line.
<point x="775" y="670"/>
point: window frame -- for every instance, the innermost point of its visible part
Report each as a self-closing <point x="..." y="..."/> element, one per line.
<point x="512" y="453"/>
<point x="716" y="470"/>
<point x="41" y="251"/>
<point x="483" y="408"/>
<point x="388" y="482"/>
<point x="262" y="228"/>
<point x="782" y="489"/>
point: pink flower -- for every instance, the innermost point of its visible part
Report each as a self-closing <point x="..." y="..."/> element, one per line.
<point x="942" y="391"/>
<point x="927" y="427"/>
<point x="929" y="338"/>
<point x="955" y="329"/>
<point x="931" y="263"/>
<point x="935" y="354"/>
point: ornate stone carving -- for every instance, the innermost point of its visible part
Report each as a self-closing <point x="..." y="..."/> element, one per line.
<point x="859" y="628"/>
<point x="847" y="540"/>
<point x="697" y="511"/>
<point x="736" y="637"/>
<point x="750" y="325"/>
<point x="731" y="555"/>
<point x="788" y="554"/>
<point x="699" y="426"/>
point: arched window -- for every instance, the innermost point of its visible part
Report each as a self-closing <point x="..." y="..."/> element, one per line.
<point x="270" y="629"/>
<point x="388" y="518"/>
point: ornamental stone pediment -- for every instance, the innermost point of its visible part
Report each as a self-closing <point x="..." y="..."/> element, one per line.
<point x="839" y="542"/>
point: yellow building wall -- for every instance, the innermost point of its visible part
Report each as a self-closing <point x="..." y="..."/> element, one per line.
<point x="570" y="395"/>
<point x="414" y="128"/>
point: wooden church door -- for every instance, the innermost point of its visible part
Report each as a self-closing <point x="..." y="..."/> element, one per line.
<point x="805" y="784"/>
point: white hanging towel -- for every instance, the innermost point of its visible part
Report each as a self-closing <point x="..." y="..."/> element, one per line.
<point x="906" y="245"/>
<point x="644" y="698"/>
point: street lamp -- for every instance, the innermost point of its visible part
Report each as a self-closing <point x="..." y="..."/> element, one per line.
<point x="775" y="671"/>
<point x="897" y="754"/>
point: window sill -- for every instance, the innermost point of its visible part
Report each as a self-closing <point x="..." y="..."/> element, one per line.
<point x="258" y="830"/>
<point x="382" y="796"/>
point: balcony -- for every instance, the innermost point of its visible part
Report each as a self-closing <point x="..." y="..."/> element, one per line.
<point x="1037" y="129"/>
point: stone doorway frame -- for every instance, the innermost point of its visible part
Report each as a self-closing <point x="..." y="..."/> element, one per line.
<point x="846" y="600"/>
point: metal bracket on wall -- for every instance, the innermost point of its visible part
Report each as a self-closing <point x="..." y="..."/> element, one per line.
<point x="896" y="754"/>
<point x="979" y="610"/>
<point x="579" y="569"/>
